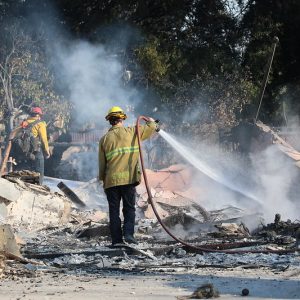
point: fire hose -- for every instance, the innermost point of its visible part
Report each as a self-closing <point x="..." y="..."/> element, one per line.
<point x="205" y="248"/>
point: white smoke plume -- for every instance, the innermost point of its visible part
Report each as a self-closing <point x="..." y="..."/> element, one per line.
<point x="92" y="75"/>
<point x="94" y="78"/>
<point x="266" y="189"/>
<point x="277" y="175"/>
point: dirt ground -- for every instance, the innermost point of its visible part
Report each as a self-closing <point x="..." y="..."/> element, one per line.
<point x="262" y="284"/>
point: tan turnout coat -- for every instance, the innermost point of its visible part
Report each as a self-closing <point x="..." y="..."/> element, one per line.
<point x="119" y="155"/>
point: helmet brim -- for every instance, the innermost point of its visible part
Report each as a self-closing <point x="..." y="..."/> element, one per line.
<point x="116" y="115"/>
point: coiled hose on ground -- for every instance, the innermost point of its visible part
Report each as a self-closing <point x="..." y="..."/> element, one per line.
<point x="210" y="247"/>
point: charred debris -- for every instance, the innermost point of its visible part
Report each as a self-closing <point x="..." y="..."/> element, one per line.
<point x="44" y="230"/>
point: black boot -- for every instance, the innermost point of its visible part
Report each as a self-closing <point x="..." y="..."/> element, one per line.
<point x="130" y="239"/>
<point x="118" y="244"/>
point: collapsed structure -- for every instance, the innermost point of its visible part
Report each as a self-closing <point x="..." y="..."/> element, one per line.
<point x="42" y="229"/>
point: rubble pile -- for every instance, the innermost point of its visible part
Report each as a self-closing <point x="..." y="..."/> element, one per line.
<point x="31" y="206"/>
<point x="23" y="175"/>
<point x="44" y="231"/>
<point x="85" y="247"/>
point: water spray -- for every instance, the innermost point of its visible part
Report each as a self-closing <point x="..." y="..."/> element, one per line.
<point x="205" y="248"/>
<point x="204" y="167"/>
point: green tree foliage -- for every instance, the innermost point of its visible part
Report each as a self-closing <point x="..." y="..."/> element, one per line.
<point x="209" y="38"/>
<point x="211" y="52"/>
<point x="25" y="77"/>
<point x="262" y="21"/>
<point x="209" y="99"/>
<point x="156" y="61"/>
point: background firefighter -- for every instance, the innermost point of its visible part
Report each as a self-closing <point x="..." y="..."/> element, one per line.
<point x="33" y="159"/>
<point x="120" y="171"/>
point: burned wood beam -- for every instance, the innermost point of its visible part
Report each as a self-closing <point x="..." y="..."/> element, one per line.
<point x="225" y="246"/>
<point x="71" y="195"/>
<point x="108" y="252"/>
<point x="18" y="258"/>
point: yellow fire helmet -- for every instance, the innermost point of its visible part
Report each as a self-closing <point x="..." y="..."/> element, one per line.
<point x="116" y="112"/>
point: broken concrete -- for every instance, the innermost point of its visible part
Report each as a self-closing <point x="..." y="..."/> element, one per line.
<point x="8" y="242"/>
<point x="9" y="192"/>
<point x="32" y="206"/>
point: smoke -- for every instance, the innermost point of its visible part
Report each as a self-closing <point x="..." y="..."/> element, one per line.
<point x="267" y="187"/>
<point x="190" y="114"/>
<point x="93" y="76"/>
<point x="291" y="132"/>
<point x="278" y="178"/>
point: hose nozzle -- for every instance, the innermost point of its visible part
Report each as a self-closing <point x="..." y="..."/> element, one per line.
<point x="157" y="125"/>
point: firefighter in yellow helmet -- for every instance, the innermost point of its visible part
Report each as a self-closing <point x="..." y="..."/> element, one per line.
<point x="120" y="171"/>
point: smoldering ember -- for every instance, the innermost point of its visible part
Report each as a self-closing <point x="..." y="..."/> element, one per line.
<point x="185" y="114"/>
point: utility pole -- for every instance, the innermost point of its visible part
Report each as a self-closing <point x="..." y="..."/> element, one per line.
<point x="266" y="76"/>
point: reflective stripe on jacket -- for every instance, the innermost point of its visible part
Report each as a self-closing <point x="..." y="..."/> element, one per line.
<point x="119" y="155"/>
<point x="39" y="130"/>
